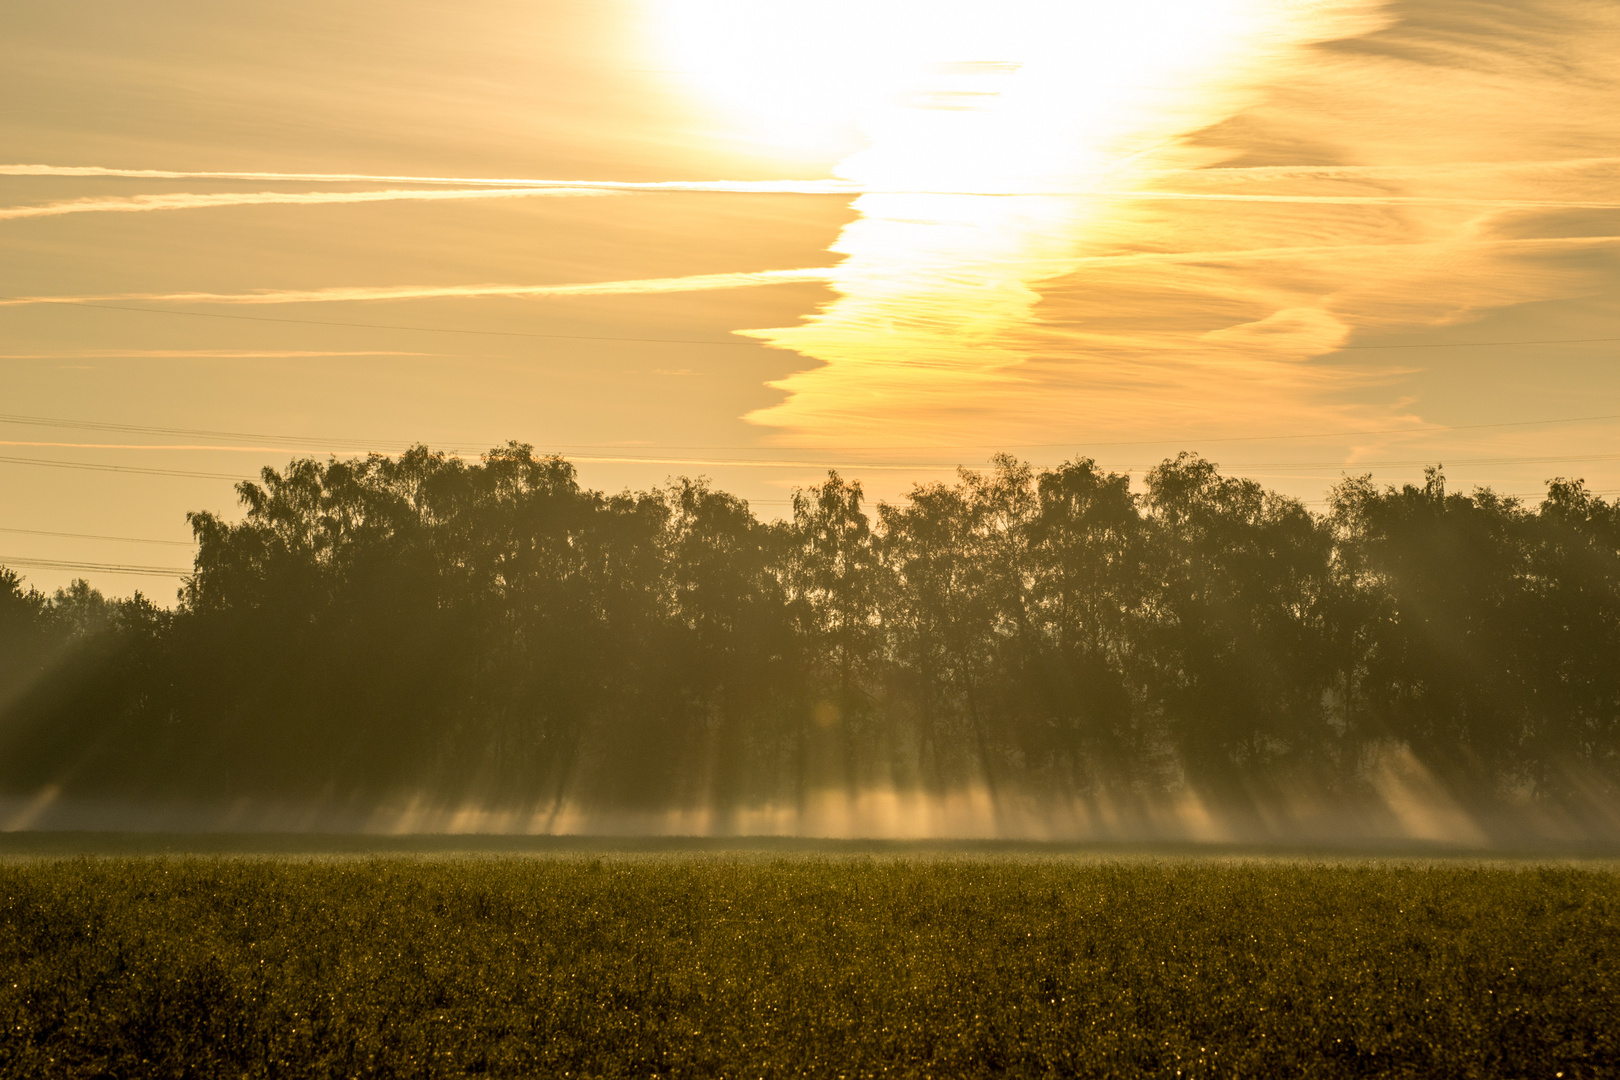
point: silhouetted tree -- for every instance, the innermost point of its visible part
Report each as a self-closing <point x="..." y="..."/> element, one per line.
<point x="423" y="627"/>
<point x="836" y="584"/>
<point x="1237" y="632"/>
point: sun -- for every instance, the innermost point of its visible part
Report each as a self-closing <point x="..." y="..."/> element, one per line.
<point x="1027" y="93"/>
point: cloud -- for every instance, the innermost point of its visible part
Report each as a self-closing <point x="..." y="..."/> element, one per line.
<point x="204" y="354"/>
<point x="350" y="294"/>
<point x="1474" y="170"/>
<point x="839" y="276"/>
<point x="190" y="201"/>
<point x="782" y="187"/>
<point x="1447" y="158"/>
<point x="1366" y="200"/>
<point x="505" y="188"/>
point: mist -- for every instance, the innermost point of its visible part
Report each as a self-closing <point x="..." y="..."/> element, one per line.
<point x="419" y="644"/>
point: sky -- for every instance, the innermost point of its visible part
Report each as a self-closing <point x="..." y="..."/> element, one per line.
<point x="756" y="239"/>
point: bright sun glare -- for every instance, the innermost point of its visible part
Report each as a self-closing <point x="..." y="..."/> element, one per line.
<point x="959" y="105"/>
<point x="954" y="95"/>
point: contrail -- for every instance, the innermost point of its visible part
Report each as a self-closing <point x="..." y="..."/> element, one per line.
<point x="752" y="279"/>
<point x="211" y="447"/>
<point x="205" y="354"/>
<point x="617" y="459"/>
<point x="826" y="186"/>
<point x="196" y="201"/>
<point x="1392" y="172"/>
<point x="189" y="201"/>
<point x="794" y="187"/>
<point x="692" y="283"/>
<point x="1362" y="200"/>
<point x="1263" y="253"/>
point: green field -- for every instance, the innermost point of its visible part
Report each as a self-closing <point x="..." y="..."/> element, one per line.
<point x="794" y="963"/>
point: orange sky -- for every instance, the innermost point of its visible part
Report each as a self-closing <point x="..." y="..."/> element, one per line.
<point x="755" y="238"/>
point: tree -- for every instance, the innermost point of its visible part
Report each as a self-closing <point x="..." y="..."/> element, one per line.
<point x="1238" y="628"/>
<point x="836" y="585"/>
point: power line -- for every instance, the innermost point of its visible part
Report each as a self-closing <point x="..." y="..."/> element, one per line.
<point x="100" y="568"/>
<point x="121" y="468"/>
<point x="94" y="536"/>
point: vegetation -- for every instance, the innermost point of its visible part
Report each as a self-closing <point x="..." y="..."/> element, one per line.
<point x="494" y="632"/>
<point x="750" y="966"/>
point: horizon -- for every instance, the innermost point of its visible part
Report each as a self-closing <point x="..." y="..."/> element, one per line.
<point x="773" y="511"/>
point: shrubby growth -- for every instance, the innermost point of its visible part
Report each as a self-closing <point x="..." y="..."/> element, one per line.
<point x="494" y="631"/>
<point x="679" y="966"/>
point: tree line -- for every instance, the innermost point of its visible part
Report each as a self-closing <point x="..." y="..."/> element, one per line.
<point x="494" y="631"/>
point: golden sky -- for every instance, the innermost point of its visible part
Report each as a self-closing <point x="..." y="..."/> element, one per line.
<point x="756" y="238"/>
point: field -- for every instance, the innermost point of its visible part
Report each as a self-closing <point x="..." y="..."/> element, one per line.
<point x="697" y="964"/>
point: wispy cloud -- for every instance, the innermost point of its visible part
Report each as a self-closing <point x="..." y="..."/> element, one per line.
<point x="192" y="201"/>
<point x="1245" y="174"/>
<point x="757" y="278"/>
<point x="204" y="354"/>
<point x="1441" y="159"/>
<point x="349" y="294"/>
<point x="1364" y="200"/>
<point x="614" y="459"/>
<point x="784" y="187"/>
<point x="1424" y="171"/>
<point x="211" y="447"/>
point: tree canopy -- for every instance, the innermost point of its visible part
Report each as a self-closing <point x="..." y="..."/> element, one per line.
<point x="372" y="628"/>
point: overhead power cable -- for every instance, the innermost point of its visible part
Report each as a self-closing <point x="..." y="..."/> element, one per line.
<point x="96" y="567"/>
<point x="96" y="536"/>
<point x="97" y="467"/>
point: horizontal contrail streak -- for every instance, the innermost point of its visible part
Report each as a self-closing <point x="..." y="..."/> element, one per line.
<point x="745" y="463"/>
<point x="1234" y="254"/>
<point x="690" y="283"/>
<point x="210" y="201"/>
<point x="807" y="187"/>
<point x="191" y="201"/>
<point x="770" y="463"/>
<point x="517" y="187"/>
<point x="210" y="447"/>
<point x="1392" y="172"/>
<point x="204" y="354"/>
<point x="1363" y="200"/>
<point x="756" y="278"/>
<point x="784" y="187"/>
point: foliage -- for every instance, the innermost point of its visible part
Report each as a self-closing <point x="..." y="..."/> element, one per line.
<point x="733" y="966"/>
<point x="399" y="627"/>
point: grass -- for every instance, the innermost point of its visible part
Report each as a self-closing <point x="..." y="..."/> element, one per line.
<point x="698" y="965"/>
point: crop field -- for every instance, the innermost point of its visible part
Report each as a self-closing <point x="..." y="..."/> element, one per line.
<point x="700" y="964"/>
